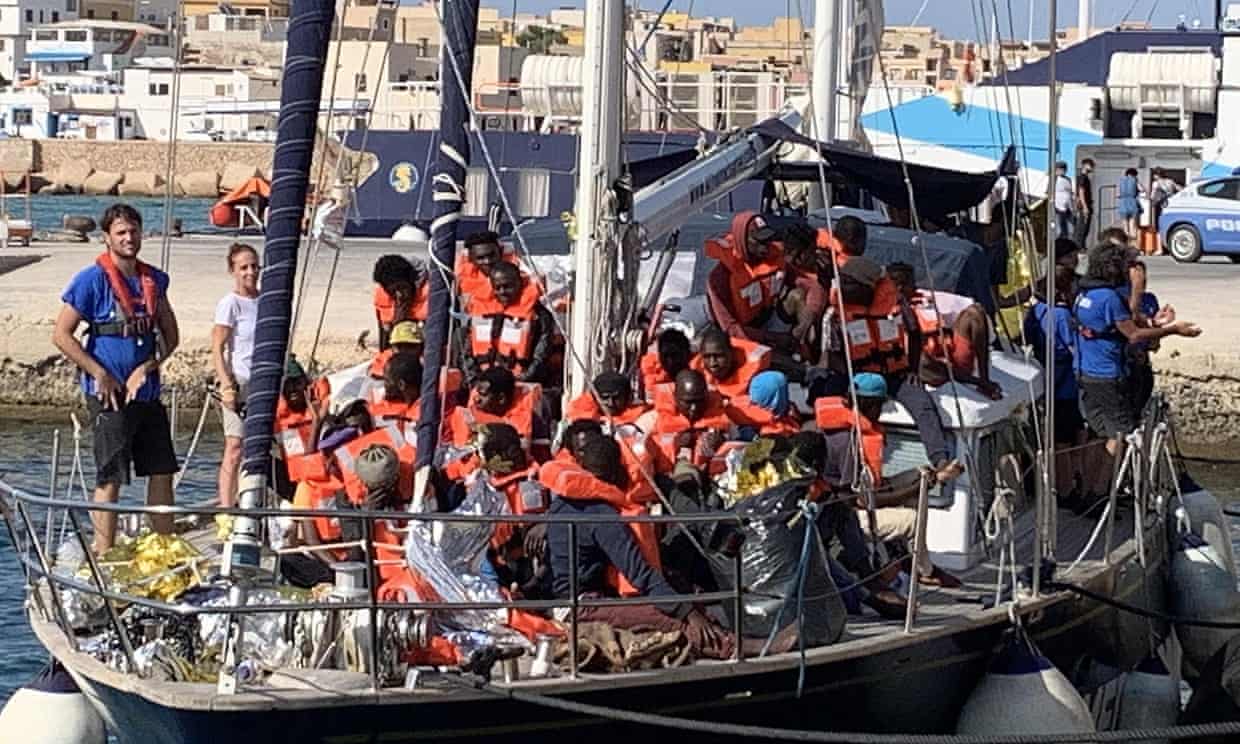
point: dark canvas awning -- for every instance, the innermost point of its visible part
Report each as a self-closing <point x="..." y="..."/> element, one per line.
<point x="938" y="191"/>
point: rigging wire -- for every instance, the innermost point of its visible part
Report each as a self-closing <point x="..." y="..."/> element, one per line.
<point x="174" y="115"/>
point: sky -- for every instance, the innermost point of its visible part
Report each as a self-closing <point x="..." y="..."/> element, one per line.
<point x="952" y="18"/>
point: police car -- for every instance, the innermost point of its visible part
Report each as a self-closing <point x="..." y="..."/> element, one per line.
<point x="1202" y="219"/>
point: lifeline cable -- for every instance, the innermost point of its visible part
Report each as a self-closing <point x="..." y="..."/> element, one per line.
<point x="1141" y="611"/>
<point x="1174" y="733"/>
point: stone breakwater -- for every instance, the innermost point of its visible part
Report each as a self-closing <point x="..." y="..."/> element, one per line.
<point x="132" y="167"/>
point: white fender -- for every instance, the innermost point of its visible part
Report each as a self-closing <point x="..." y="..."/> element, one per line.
<point x="1150" y="698"/>
<point x="1202" y="587"/>
<point x="1023" y="693"/>
<point x="1206" y="519"/>
<point x="52" y="710"/>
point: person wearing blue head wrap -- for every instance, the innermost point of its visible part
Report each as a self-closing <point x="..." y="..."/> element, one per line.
<point x="870" y="385"/>
<point x="769" y="390"/>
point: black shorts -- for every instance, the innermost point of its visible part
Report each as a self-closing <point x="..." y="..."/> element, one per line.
<point x="1108" y="406"/>
<point x="138" y="435"/>
<point x="1068" y="420"/>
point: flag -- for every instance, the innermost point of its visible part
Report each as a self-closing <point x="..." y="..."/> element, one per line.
<point x="867" y="37"/>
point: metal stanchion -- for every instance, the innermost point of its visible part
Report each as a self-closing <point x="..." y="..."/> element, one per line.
<point x="573" y="599"/>
<point x="52" y="479"/>
<point x="738" y="608"/>
<point x="919" y="549"/>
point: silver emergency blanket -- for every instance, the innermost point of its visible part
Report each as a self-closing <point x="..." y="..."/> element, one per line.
<point x="775" y="532"/>
<point x="263" y="633"/>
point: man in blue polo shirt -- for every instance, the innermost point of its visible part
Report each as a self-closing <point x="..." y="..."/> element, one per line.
<point x="1105" y="327"/>
<point x="130" y="331"/>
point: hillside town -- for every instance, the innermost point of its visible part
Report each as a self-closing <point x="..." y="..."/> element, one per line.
<point x="133" y="69"/>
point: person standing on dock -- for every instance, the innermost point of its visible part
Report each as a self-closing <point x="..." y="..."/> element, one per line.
<point x="1084" y="202"/>
<point x="131" y="332"/>
<point x="1064" y="200"/>
<point x="232" y="344"/>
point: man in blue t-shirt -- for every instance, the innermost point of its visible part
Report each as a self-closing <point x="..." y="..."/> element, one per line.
<point x="1105" y="327"/>
<point x="130" y="331"/>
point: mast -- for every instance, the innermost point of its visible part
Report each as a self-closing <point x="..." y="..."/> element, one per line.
<point x="824" y="79"/>
<point x="598" y="168"/>
<point x="826" y="68"/>
<point x="456" y="68"/>
<point x="1048" y="394"/>
<point x="309" y="30"/>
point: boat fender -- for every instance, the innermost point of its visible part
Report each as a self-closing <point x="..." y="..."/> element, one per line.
<point x="408" y="233"/>
<point x="1205" y="519"/>
<point x="1049" y="704"/>
<point x="1150" y="697"/>
<point x="1201" y="587"/>
<point x="1216" y="693"/>
<point x="51" y="710"/>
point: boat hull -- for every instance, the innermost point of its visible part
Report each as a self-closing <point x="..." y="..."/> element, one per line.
<point x="911" y="684"/>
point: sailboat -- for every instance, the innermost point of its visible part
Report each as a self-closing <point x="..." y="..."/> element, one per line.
<point x="910" y="676"/>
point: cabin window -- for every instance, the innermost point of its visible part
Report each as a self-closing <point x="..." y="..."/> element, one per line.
<point x="159" y="40"/>
<point x="533" y="192"/>
<point x="55" y="16"/>
<point x="78" y="35"/>
<point x="71" y="6"/>
<point x="904" y="451"/>
<point x="477" y="182"/>
<point x="29" y="16"/>
<point x="158" y="89"/>
<point x="44" y="35"/>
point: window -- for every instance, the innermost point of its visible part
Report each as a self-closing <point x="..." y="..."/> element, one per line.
<point x="533" y="192"/>
<point x="386" y="24"/>
<point x="1225" y="189"/>
<point x="90" y="13"/>
<point x="75" y="35"/>
<point x="359" y="82"/>
<point x="158" y="89"/>
<point x="22" y="116"/>
<point x="1" y="45"/>
<point x="70" y="6"/>
<point x="476" y="183"/>
<point x="40" y="15"/>
<point x="29" y="15"/>
<point x="45" y="35"/>
<point x="159" y="40"/>
<point x="115" y="16"/>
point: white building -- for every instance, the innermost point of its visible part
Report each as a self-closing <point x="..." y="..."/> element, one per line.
<point x="215" y="102"/>
<point x="98" y="46"/>
<point x="17" y="18"/>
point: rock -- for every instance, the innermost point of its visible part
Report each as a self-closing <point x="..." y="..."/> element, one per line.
<point x="73" y="176"/>
<point x="15" y="181"/>
<point x="141" y="183"/>
<point x="102" y="183"/>
<point x="51" y="188"/>
<point x="200" y="184"/>
<point x="236" y="174"/>
<point x="60" y="236"/>
<point x="78" y="223"/>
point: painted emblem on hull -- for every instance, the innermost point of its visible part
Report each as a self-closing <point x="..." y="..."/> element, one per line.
<point x="403" y="177"/>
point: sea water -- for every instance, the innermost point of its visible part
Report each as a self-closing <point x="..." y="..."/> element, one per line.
<point x="47" y="212"/>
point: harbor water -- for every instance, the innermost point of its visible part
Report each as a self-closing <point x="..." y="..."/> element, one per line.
<point x="25" y="456"/>
<point x="46" y="212"/>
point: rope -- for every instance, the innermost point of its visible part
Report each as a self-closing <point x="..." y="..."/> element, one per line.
<point x="809" y="512"/>
<point x="714" y="728"/>
<point x="174" y="112"/>
<point x="193" y="443"/>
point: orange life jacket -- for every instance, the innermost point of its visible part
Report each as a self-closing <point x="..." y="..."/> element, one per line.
<point x="744" y="412"/>
<point x="389" y="548"/>
<point x="749" y="358"/>
<point x="321" y="494"/>
<point x="753" y="288"/>
<point x="520" y="416"/>
<point x="669" y="423"/>
<point x="403" y="415"/>
<point x="294" y="433"/>
<point x="877" y="338"/>
<point x="832" y="415"/>
<point x="584" y="406"/>
<point x="470" y="281"/>
<point x="524" y="494"/>
<point x="504" y="334"/>
<point x="943" y="345"/>
<point x="568" y="480"/>
<point x="346" y="456"/>
<point x="653" y="374"/>
<point x="380" y="361"/>
<point x="419" y="308"/>
<point x="131" y="321"/>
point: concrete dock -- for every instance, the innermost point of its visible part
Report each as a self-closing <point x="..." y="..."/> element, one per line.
<point x="1202" y="375"/>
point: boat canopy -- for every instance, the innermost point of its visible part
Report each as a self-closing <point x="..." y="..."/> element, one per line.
<point x="939" y="191"/>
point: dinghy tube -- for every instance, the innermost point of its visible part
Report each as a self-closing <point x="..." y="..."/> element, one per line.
<point x="51" y="709"/>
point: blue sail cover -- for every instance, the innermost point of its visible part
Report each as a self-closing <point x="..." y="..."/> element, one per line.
<point x="309" y="29"/>
<point x="460" y="18"/>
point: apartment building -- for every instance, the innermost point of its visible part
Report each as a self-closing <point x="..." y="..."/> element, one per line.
<point x="17" y="18"/>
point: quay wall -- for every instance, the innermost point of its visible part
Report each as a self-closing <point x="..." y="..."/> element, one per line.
<point x="138" y="167"/>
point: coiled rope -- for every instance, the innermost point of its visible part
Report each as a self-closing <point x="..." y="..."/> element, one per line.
<point x="1173" y="733"/>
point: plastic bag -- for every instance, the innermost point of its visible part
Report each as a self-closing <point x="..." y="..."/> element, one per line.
<point x="774" y="529"/>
